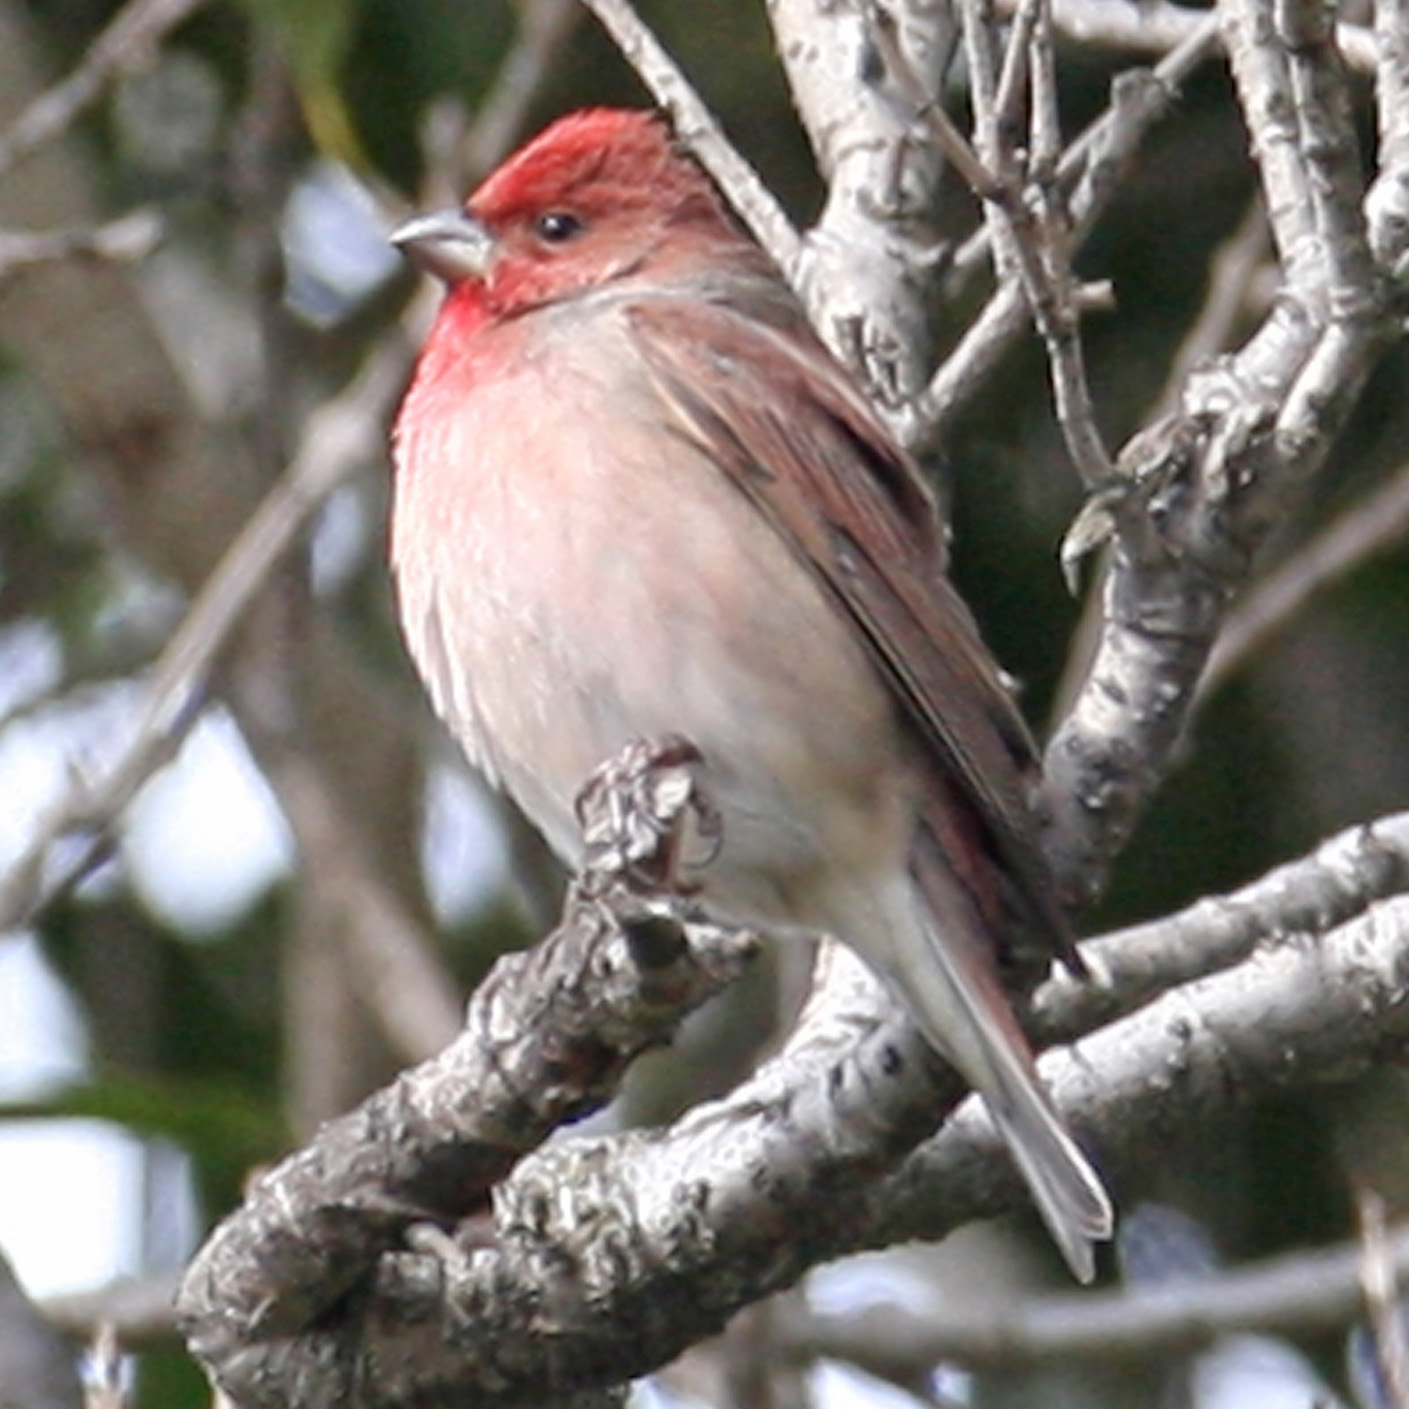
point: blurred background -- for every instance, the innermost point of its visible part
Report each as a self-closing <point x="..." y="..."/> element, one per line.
<point x="296" y="902"/>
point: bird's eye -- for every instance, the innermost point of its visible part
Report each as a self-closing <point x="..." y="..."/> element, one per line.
<point x="558" y="226"/>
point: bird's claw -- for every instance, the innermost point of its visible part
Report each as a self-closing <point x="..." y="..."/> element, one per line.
<point x="646" y="822"/>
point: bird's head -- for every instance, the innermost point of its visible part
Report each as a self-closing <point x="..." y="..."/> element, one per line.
<point x="600" y="195"/>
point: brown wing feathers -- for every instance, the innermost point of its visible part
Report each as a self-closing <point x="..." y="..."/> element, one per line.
<point x="872" y="540"/>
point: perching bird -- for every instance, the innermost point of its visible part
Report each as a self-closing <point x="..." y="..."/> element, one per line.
<point x="636" y="497"/>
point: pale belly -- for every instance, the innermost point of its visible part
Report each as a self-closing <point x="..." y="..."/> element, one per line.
<point x="605" y="597"/>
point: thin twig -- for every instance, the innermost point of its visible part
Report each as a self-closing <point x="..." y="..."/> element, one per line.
<point x="1028" y="233"/>
<point x="1376" y="525"/>
<point x="995" y="158"/>
<point x="1102" y="153"/>
<point x="338" y="437"/>
<point x="125" y="45"/>
<point x="1057" y="317"/>
<point x="544" y="27"/>
<point x="1009" y="99"/>
<point x="1303" y="1292"/>
<point x="696" y="126"/>
<point x="1155" y="27"/>
<point x="139" y="1309"/>
<point x="126" y="240"/>
<point x="1111" y="131"/>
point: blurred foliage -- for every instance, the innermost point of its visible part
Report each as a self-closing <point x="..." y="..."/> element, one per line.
<point x="190" y="1035"/>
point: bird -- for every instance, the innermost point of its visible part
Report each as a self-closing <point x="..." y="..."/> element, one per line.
<point x="635" y="497"/>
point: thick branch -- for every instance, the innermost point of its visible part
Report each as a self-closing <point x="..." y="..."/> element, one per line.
<point x="1306" y="897"/>
<point x="608" y="1255"/>
<point x="866" y="265"/>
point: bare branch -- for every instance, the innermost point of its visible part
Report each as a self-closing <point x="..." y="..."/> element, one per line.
<point x="859" y="75"/>
<point x="337" y="438"/>
<point x="1387" y="205"/>
<point x="125" y="45"/>
<point x="125" y="241"/>
<point x="1231" y="285"/>
<point x="1264" y="69"/>
<point x="547" y="1038"/>
<point x="1203" y="488"/>
<point x="1375" y="526"/>
<point x="1336" y="882"/>
<point x="140" y="1310"/>
<point x="1327" y="175"/>
<point x="1278" y="1025"/>
<point x="664" y="1235"/>
<point x="697" y="127"/>
<point x="1154" y="27"/>
<point x="1305" y="1292"/>
<point x="1097" y="161"/>
<point x="1048" y="275"/>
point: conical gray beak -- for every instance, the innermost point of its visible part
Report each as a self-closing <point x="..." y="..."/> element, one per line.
<point x="447" y="243"/>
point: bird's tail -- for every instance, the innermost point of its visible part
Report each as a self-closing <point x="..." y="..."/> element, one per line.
<point x="951" y="983"/>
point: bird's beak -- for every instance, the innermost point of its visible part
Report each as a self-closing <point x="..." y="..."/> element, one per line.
<point x="447" y="243"/>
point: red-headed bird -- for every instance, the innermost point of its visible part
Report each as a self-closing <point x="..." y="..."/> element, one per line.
<point x="636" y="497"/>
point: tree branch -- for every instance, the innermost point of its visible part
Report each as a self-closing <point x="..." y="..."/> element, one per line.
<point x="866" y="265"/>
<point x="128" y="239"/>
<point x="1200" y="491"/>
<point x="1367" y="529"/>
<point x="1304" y="1292"/>
<point x="336" y="440"/>
<point x="697" y="127"/>
<point x="128" y="41"/>
<point x="1097" y="161"/>
<point x="140" y="1311"/>
<point x="1306" y="897"/>
<point x="1155" y="27"/>
<point x="607" y="1255"/>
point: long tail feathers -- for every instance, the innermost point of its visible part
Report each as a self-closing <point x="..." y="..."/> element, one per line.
<point x="1068" y="1192"/>
<point x="953" y="990"/>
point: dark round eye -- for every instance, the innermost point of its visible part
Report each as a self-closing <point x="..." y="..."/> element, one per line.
<point x="558" y="226"/>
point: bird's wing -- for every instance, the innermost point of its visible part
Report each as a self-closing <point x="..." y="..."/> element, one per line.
<point x="804" y="446"/>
